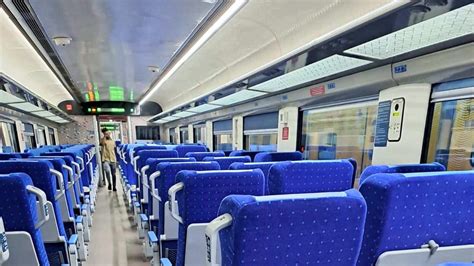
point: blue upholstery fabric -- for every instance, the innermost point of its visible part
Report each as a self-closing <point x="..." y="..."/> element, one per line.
<point x="294" y="229"/>
<point x="278" y="156"/>
<point x="18" y="210"/>
<point x="225" y="162"/>
<point x="264" y="166"/>
<point x="199" y="156"/>
<point x="42" y="179"/>
<point x="147" y="154"/>
<point x="58" y="166"/>
<point x="183" y="149"/>
<point x="74" y="154"/>
<point x="203" y="192"/>
<point x="167" y="178"/>
<point x="310" y="176"/>
<point x="245" y="153"/>
<point x="8" y="156"/>
<point x="400" y="168"/>
<point x="405" y="211"/>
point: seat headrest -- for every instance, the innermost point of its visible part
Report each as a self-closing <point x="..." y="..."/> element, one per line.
<point x="278" y="156"/>
<point x="225" y="162"/>
<point x="199" y="156"/>
<point x="310" y="176"/>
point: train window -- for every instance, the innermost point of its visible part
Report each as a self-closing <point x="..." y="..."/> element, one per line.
<point x="52" y="138"/>
<point x="184" y="135"/>
<point x="200" y="133"/>
<point x="147" y="132"/>
<point x="8" y="137"/>
<point x="41" y="136"/>
<point x="222" y="131"/>
<point x="340" y="132"/>
<point x="29" y="134"/>
<point x="451" y="140"/>
<point x="261" y="132"/>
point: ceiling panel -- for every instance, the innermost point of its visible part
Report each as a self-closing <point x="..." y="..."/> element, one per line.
<point x="114" y="41"/>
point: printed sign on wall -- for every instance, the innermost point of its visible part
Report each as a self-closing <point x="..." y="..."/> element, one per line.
<point x="382" y="125"/>
<point x="285" y="133"/>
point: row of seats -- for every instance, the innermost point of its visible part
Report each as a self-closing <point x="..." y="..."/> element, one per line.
<point x="289" y="212"/>
<point x="47" y="202"/>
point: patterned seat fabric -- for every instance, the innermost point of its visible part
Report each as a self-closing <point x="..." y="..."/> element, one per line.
<point x="153" y="163"/>
<point x="147" y="154"/>
<point x="8" y="156"/>
<point x="405" y="211"/>
<point x="169" y="170"/>
<point x="244" y="153"/>
<point x="184" y="149"/>
<point x="18" y="210"/>
<point x="400" y="168"/>
<point x="278" y="156"/>
<point x="42" y="179"/>
<point x="199" y="156"/>
<point x="264" y="166"/>
<point x="310" y="176"/>
<point x="294" y="229"/>
<point x="225" y="162"/>
<point x="203" y="192"/>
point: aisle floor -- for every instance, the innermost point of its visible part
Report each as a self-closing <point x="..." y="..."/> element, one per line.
<point x="114" y="238"/>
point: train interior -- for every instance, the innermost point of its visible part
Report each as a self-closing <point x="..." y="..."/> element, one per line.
<point x="237" y="132"/>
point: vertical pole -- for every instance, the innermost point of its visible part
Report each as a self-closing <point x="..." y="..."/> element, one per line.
<point x="129" y="122"/>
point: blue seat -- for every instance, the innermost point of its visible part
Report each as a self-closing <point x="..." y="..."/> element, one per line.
<point x="39" y="171"/>
<point x="8" y="156"/>
<point x="264" y="166"/>
<point x="18" y="210"/>
<point x="141" y="157"/>
<point x="184" y="149"/>
<point x="167" y="178"/>
<point x="310" y="176"/>
<point x="244" y="153"/>
<point x="199" y="156"/>
<point x="294" y="229"/>
<point x="278" y="156"/>
<point x="202" y="193"/>
<point x="225" y="162"/>
<point x="406" y="211"/>
<point x="400" y="168"/>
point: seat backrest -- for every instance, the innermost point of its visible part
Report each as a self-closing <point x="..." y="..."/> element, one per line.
<point x="203" y="192"/>
<point x="310" y="177"/>
<point x="199" y="156"/>
<point x="405" y="211"/>
<point x="225" y="162"/>
<point x="8" y="156"/>
<point x="294" y="229"/>
<point x="264" y="166"/>
<point x="244" y="153"/>
<point x="183" y="149"/>
<point x="18" y="210"/>
<point x="42" y="179"/>
<point x="400" y="168"/>
<point x="278" y="156"/>
<point x="153" y="163"/>
<point x="167" y="178"/>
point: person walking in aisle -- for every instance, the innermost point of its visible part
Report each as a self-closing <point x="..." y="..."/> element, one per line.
<point x="109" y="161"/>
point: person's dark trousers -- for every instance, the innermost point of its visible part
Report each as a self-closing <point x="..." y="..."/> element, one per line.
<point x="113" y="168"/>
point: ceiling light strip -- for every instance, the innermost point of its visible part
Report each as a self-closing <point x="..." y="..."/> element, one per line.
<point x="228" y="14"/>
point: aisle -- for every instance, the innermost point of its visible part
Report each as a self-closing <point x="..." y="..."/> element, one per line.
<point x="114" y="239"/>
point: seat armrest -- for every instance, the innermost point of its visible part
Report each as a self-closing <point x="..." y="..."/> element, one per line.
<point x="43" y="213"/>
<point x="165" y="262"/>
<point x="143" y="217"/>
<point x="152" y="237"/>
<point x="72" y="240"/>
<point x="79" y="219"/>
<point x="172" y="198"/>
